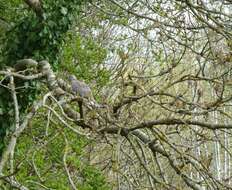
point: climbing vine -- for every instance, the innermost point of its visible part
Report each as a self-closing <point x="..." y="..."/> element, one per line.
<point x="33" y="36"/>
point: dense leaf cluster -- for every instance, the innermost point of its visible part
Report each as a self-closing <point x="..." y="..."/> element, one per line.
<point x="42" y="37"/>
<point x="47" y="158"/>
<point x="35" y="37"/>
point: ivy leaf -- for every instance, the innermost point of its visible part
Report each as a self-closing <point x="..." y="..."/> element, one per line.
<point x="64" y="10"/>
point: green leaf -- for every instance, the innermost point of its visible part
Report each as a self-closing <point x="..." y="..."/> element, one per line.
<point x="64" y="10"/>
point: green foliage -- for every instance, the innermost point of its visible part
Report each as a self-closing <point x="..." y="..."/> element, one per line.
<point x="7" y="9"/>
<point x="93" y="180"/>
<point x="84" y="58"/>
<point x="45" y="153"/>
<point x="40" y="38"/>
<point x="32" y="37"/>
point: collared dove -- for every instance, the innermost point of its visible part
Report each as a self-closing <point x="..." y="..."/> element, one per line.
<point x="83" y="90"/>
<point x="80" y="88"/>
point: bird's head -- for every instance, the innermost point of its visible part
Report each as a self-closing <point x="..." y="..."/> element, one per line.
<point x="72" y="77"/>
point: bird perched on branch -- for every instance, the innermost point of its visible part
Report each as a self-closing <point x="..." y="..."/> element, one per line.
<point x="81" y="89"/>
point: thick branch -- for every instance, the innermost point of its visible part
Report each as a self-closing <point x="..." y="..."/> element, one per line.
<point x="35" y="5"/>
<point x="24" y="77"/>
<point x="173" y="121"/>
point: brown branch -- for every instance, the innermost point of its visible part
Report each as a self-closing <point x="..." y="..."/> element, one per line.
<point x="155" y="148"/>
<point x="173" y="121"/>
<point x="35" y="5"/>
<point x="24" y="77"/>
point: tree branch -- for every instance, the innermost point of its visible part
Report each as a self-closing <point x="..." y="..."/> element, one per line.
<point x="35" y="5"/>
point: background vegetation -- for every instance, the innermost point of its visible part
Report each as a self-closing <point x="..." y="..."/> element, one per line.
<point x="160" y="74"/>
